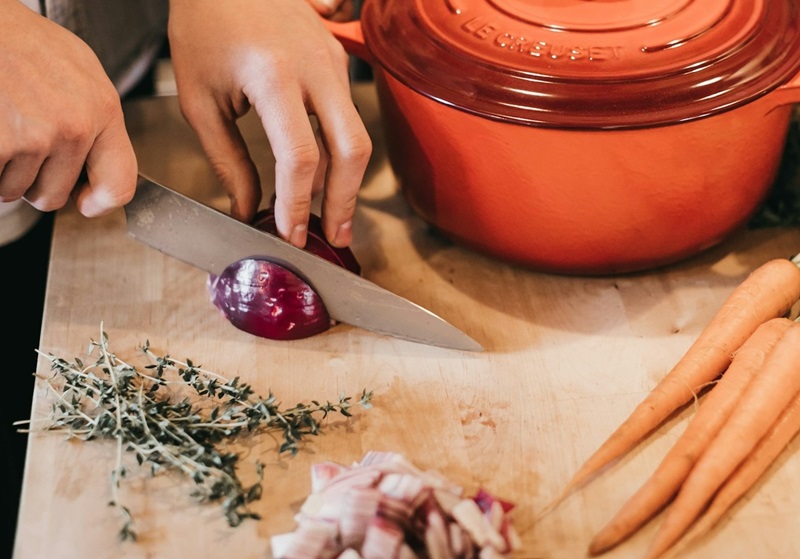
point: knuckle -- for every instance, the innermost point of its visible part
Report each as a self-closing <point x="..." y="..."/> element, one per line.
<point x="297" y="205"/>
<point x="339" y="53"/>
<point x="303" y="158"/>
<point x="291" y="209"/>
<point x="223" y="169"/>
<point x="355" y="149"/>
<point x="118" y="197"/>
<point x="35" y="140"/>
<point x="341" y="202"/>
<point x="273" y="70"/>
<point x="77" y="132"/>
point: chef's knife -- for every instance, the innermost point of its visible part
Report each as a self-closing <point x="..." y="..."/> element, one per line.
<point x="212" y="240"/>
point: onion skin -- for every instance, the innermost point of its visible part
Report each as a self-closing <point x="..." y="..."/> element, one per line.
<point x="267" y="300"/>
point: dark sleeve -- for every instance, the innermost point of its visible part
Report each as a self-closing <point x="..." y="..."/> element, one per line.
<point x="126" y="35"/>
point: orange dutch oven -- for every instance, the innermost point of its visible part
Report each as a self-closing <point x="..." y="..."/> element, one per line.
<point x="583" y="136"/>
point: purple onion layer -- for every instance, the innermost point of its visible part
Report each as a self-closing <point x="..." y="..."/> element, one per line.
<point x="267" y="300"/>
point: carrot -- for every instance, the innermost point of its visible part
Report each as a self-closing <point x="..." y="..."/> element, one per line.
<point x="665" y="482"/>
<point x="769" y="393"/>
<point x="742" y="480"/>
<point x="769" y="291"/>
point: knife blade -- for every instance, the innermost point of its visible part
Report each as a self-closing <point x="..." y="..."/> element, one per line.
<point x="211" y="240"/>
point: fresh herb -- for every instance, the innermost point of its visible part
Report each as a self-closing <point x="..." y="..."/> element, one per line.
<point x="111" y="399"/>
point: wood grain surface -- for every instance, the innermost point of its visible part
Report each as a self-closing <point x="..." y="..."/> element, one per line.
<point x="566" y="359"/>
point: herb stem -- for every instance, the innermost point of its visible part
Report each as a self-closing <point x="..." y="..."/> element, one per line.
<point x="111" y="399"/>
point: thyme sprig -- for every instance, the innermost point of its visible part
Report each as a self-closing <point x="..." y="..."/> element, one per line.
<point x="111" y="399"/>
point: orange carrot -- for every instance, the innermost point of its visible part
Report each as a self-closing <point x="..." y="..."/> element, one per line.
<point x="769" y="448"/>
<point x="664" y="483"/>
<point x="769" y="393"/>
<point x="769" y="291"/>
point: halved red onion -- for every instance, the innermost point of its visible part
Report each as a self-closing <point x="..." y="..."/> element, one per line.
<point x="267" y="300"/>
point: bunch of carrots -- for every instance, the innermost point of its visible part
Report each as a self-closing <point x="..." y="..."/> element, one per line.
<point x="750" y="354"/>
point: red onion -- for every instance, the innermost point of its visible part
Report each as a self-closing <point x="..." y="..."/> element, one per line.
<point x="267" y="300"/>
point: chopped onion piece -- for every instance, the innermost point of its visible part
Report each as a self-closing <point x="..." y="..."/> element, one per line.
<point x="313" y="539"/>
<point x="352" y="479"/>
<point x="385" y="507"/>
<point x="398" y="511"/>
<point x="405" y="552"/>
<point x="458" y="540"/>
<point x="486" y="500"/>
<point x="311" y="506"/>
<point x="406" y="487"/>
<point x="488" y="552"/>
<point x="511" y="534"/>
<point x="359" y="508"/>
<point x="382" y="539"/>
<point x="323" y="472"/>
<point x="446" y="500"/>
<point x="437" y="540"/>
<point x="469" y="515"/>
<point x="496" y="516"/>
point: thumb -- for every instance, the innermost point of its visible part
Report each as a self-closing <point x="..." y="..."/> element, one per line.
<point x="111" y="172"/>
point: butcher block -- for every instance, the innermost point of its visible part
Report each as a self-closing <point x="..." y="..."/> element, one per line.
<point x="566" y="359"/>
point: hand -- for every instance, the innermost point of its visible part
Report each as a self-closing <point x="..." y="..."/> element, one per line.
<point x="277" y="57"/>
<point x="59" y="113"/>
<point x="335" y="10"/>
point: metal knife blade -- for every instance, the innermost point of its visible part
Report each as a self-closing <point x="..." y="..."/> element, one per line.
<point x="211" y="240"/>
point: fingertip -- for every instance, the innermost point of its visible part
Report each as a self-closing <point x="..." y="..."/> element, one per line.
<point x="343" y="235"/>
<point x="291" y="227"/>
<point x="299" y="235"/>
<point x="96" y="201"/>
<point x="326" y="8"/>
<point x="108" y="181"/>
<point x="244" y="208"/>
<point x="337" y="220"/>
<point x="92" y="204"/>
<point x="99" y="194"/>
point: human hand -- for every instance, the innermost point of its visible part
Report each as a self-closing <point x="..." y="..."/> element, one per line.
<point x="277" y="57"/>
<point x="335" y="10"/>
<point x="59" y="114"/>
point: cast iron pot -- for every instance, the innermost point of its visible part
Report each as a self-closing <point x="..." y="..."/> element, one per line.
<point x="583" y="136"/>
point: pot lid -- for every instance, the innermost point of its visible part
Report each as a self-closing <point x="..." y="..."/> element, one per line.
<point x="587" y="63"/>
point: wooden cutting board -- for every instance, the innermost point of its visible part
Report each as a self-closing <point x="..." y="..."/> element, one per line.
<point x="567" y="358"/>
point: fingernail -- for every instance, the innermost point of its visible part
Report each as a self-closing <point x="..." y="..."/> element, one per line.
<point x="94" y="205"/>
<point x="344" y="234"/>
<point x="298" y="236"/>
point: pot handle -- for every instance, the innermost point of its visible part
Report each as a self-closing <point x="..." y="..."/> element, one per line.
<point x="788" y="93"/>
<point x="351" y="35"/>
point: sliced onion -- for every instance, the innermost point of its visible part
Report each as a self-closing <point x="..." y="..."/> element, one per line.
<point x="267" y="300"/>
